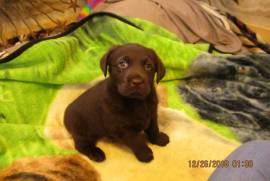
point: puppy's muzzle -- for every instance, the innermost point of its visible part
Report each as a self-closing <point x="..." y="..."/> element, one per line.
<point x="135" y="86"/>
<point x="136" y="82"/>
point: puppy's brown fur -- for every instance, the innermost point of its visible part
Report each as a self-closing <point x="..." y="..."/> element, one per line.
<point x="122" y="106"/>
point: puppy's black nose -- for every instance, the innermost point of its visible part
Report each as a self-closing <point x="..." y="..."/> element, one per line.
<point x="136" y="81"/>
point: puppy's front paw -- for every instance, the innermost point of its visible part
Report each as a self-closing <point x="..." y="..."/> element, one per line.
<point x="161" y="140"/>
<point x="145" y="155"/>
<point x="96" y="154"/>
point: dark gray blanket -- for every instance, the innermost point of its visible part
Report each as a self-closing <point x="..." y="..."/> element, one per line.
<point x="234" y="91"/>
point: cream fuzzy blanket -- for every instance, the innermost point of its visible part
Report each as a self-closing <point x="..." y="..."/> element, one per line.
<point x="189" y="140"/>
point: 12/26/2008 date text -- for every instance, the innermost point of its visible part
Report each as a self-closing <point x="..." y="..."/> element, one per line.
<point x="220" y="163"/>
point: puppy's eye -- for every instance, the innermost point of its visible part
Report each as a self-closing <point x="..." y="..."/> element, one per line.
<point x="148" y="67"/>
<point x="123" y="64"/>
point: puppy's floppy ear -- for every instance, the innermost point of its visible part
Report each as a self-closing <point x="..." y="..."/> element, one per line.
<point x="160" y="68"/>
<point x="105" y="60"/>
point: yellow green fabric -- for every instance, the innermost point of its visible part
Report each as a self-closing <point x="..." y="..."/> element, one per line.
<point x="29" y="83"/>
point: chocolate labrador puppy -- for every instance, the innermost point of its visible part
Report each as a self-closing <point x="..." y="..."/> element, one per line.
<point x="121" y="107"/>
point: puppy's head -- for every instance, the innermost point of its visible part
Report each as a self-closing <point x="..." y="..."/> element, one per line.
<point x="132" y="68"/>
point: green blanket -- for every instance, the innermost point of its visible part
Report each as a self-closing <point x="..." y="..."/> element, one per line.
<point x="30" y="82"/>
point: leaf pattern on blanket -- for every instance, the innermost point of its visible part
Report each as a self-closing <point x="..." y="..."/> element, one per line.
<point x="30" y="82"/>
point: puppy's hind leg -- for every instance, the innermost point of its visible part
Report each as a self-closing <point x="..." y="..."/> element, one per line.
<point x="88" y="147"/>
